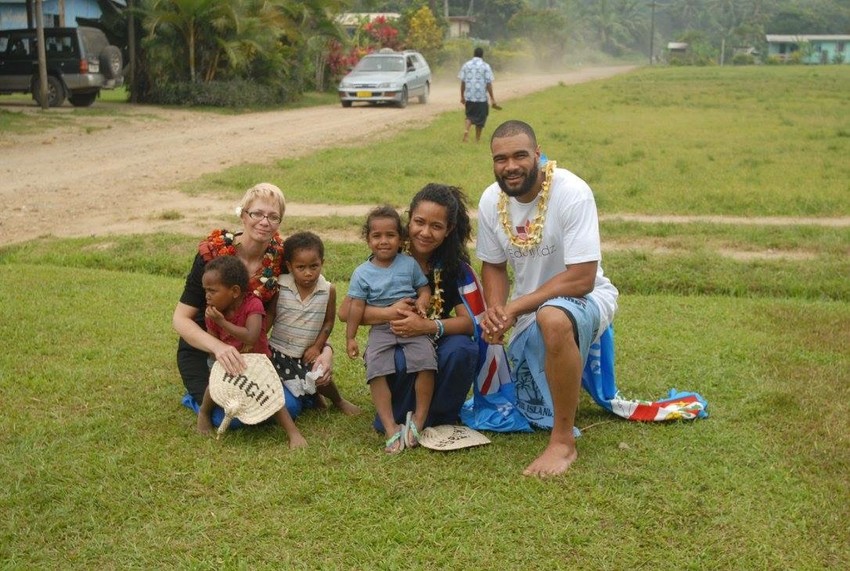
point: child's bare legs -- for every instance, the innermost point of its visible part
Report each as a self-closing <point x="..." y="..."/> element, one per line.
<point x="285" y="421"/>
<point x="331" y="392"/>
<point x="424" y="393"/>
<point x="382" y="399"/>
<point x="205" y="414"/>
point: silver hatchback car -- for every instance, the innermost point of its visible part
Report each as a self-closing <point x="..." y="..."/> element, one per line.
<point x="387" y="76"/>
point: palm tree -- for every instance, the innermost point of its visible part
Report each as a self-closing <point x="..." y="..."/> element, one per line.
<point x="201" y="24"/>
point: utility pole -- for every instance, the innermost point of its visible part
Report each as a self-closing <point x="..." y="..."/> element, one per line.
<point x="42" y="55"/>
<point x="131" y="51"/>
<point x="652" y="31"/>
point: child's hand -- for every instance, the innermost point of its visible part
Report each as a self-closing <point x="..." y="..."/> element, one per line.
<point x="422" y="308"/>
<point x="214" y="315"/>
<point x="352" y="348"/>
<point x="310" y="355"/>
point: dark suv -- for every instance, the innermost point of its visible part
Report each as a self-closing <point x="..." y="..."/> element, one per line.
<point x="80" y="62"/>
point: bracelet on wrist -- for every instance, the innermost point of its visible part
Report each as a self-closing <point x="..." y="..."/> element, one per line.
<point x="441" y="329"/>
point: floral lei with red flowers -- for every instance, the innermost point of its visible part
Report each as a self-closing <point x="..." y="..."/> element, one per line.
<point x="264" y="282"/>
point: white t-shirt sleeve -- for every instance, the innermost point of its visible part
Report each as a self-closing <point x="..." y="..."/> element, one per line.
<point x="488" y="245"/>
<point x="581" y="237"/>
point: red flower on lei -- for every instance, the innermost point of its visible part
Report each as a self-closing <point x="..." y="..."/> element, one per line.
<point x="264" y="282"/>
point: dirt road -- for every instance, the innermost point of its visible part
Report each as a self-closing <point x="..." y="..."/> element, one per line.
<point x="119" y="174"/>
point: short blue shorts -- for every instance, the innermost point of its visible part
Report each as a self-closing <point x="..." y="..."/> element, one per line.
<point x="585" y="317"/>
<point x="528" y="357"/>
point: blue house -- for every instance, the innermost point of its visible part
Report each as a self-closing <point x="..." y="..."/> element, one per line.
<point x="57" y="13"/>
<point x="812" y="48"/>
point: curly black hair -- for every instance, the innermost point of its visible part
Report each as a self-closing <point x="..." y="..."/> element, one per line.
<point x="302" y="241"/>
<point x="231" y="271"/>
<point x="385" y="211"/>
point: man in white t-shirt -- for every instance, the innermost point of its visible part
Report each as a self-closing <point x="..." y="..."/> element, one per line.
<point x="543" y="221"/>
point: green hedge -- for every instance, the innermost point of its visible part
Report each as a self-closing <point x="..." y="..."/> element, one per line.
<point x="237" y="93"/>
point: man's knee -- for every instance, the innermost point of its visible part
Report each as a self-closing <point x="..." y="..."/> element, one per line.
<point x="555" y="326"/>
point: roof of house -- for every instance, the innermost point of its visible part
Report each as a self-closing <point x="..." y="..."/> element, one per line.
<point x="677" y="45"/>
<point x="792" y="38"/>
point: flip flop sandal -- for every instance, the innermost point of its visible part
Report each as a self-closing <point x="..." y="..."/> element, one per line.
<point x="411" y="430"/>
<point x="395" y="444"/>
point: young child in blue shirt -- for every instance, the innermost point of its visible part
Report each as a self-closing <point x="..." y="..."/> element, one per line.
<point x="385" y="278"/>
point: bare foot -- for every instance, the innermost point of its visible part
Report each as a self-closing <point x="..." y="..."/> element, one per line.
<point x="205" y="426"/>
<point x="555" y="460"/>
<point x="297" y="441"/>
<point x="465" y="136"/>
<point x="347" y="408"/>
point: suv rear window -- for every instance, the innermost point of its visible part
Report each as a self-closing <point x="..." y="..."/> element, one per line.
<point x="62" y="45"/>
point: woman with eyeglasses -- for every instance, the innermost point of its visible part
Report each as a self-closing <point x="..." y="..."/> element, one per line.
<point x="260" y="247"/>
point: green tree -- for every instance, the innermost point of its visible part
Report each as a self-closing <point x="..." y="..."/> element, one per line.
<point x="200" y="26"/>
<point x="265" y="42"/>
<point x="545" y="31"/>
<point x="424" y="34"/>
<point x="492" y="16"/>
<point x="700" y="49"/>
<point x="604" y="22"/>
<point x="811" y="17"/>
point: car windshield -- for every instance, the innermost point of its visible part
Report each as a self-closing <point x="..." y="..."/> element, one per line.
<point x="380" y="63"/>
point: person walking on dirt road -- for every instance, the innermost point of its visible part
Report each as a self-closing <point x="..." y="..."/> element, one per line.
<point x="476" y="83"/>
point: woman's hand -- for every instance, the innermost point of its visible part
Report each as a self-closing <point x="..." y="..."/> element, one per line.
<point x="411" y="324"/>
<point x="230" y="359"/>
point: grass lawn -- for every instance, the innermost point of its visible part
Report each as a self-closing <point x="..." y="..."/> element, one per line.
<point x="101" y="467"/>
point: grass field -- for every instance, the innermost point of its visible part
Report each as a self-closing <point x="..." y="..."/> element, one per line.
<point x="101" y="467"/>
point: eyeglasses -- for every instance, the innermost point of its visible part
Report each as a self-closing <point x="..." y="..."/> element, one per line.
<point x="273" y="218"/>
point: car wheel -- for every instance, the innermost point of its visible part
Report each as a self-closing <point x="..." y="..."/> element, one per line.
<point x="346" y="103"/>
<point x="424" y="97"/>
<point x="403" y="101"/>
<point x="83" y="99"/>
<point x="55" y="91"/>
<point x="111" y="62"/>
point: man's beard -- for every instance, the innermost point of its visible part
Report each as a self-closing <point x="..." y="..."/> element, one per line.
<point x="527" y="185"/>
